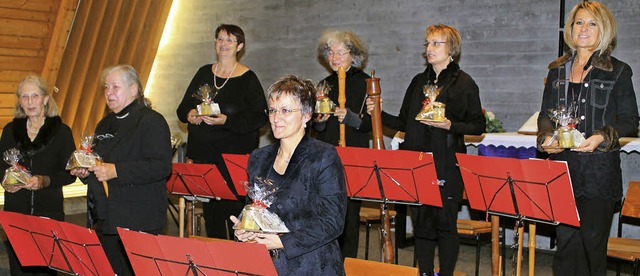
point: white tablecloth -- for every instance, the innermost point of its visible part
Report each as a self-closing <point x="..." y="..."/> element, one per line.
<point x="513" y="139"/>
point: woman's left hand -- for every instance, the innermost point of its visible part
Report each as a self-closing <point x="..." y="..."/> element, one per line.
<point x="446" y="124"/>
<point x="219" y="119"/>
<point x="590" y="144"/>
<point x="104" y="171"/>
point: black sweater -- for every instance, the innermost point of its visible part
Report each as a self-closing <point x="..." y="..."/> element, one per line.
<point x="355" y="92"/>
<point x="242" y="100"/>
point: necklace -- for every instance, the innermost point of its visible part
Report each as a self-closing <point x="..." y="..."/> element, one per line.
<point x="286" y="160"/>
<point x="228" y="76"/>
<point x="575" y="105"/>
<point x="123" y="116"/>
<point x="30" y="129"/>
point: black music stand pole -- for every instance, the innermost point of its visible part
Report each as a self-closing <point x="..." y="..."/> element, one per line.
<point x="197" y="182"/>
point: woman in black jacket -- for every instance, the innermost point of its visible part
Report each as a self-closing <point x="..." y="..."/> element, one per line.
<point x="45" y="144"/>
<point x="309" y="180"/>
<point x="599" y="90"/>
<point x="135" y="145"/>
<point x="433" y="226"/>
<point x="344" y="49"/>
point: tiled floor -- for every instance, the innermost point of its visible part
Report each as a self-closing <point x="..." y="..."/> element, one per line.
<point x="465" y="264"/>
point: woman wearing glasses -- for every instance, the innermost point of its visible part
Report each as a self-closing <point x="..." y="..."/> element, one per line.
<point x="236" y="129"/>
<point x="434" y="226"/>
<point x="311" y="197"/>
<point x="344" y="49"/>
<point x="601" y="93"/>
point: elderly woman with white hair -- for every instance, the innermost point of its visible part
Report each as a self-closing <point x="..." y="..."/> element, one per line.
<point x="344" y="49"/>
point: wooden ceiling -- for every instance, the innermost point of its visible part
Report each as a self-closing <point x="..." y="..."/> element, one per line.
<point x="69" y="43"/>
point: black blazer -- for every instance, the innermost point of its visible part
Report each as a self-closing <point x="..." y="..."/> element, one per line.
<point x="141" y="152"/>
<point x="311" y="200"/>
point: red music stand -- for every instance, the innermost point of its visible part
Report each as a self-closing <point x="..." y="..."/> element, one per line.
<point x="198" y="182"/>
<point x="390" y="176"/>
<point x="61" y="246"/>
<point x="525" y="189"/>
<point x="530" y="189"/>
<point x="166" y="255"/>
<point x="396" y="176"/>
<point x="237" y="167"/>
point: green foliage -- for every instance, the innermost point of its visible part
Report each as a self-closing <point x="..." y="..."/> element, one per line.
<point x="493" y="124"/>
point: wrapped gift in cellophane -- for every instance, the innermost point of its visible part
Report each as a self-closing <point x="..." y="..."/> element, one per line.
<point x="566" y="133"/>
<point x="255" y="216"/>
<point x="83" y="157"/>
<point x="324" y="105"/>
<point x="16" y="175"/>
<point x="431" y="109"/>
<point x="206" y="95"/>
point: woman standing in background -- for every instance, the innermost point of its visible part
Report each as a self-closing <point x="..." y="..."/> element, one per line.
<point x="344" y="49"/>
<point x="236" y="129"/>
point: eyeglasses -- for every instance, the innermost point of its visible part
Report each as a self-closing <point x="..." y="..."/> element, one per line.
<point x="283" y="111"/>
<point x="223" y="40"/>
<point x="434" y="43"/>
<point x="339" y="54"/>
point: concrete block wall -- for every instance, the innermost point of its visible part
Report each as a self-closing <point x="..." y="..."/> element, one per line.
<point x="507" y="44"/>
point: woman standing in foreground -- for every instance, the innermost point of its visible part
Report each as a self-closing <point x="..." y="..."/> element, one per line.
<point x="311" y="194"/>
<point x="599" y="88"/>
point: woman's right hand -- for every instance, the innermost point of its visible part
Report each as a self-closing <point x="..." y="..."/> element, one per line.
<point x="80" y="172"/>
<point x="551" y="148"/>
<point x="192" y="118"/>
<point x="321" y="118"/>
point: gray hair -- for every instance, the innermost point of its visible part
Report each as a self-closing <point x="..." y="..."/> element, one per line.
<point x="357" y="49"/>
<point x="131" y="77"/>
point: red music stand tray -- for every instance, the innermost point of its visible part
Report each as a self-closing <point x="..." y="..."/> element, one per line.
<point x="394" y="176"/>
<point x="166" y="255"/>
<point x="529" y="189"/>
<point x="61" y="246"/>
<point x="198" y="180"/>
<point x="237" y="167"/>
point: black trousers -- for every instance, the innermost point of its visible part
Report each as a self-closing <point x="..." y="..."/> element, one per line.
<point x="583" y="250"/>
<point x="436" y="227"/>
<point x="216" y="217"/>
<point x="116" y="254"/>
<point x="351" y="232"/>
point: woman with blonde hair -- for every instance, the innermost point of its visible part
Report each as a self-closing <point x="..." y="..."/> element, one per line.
<point x="433" y="226"/>
<point x="599" y="90"/>
<point x="45" y="144"/>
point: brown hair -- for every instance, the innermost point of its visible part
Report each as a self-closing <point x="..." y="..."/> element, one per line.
<point x="303" y="91"/>
<point x="454" y="42"/>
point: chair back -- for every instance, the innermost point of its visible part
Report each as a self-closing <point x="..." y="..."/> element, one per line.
<point x="631" y="206"/>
